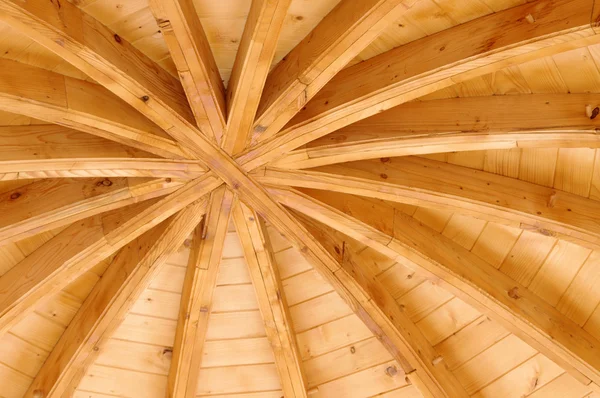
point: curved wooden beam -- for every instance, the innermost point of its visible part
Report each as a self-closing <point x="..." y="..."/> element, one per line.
<point x="427" y="370"/>
<point x="481" y="46"/>
<point x="99" y="167"/>
<point x="348" y="29"/>
<point x="271" y="300"/>
<point x="429" y="183"/>
<point x="458" y="124"/>
<point x="48" y="204"/>
<point x="252" y="64"/>
<point x="125" y="279"/>
<point x="81" y="105"/>
<point x="74" y="251"/>
<point x="197" y="295"/>
<point x="468" y="277"/>
<point x="196" y="66"/>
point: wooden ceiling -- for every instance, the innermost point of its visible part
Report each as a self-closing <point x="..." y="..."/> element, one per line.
<point x="299" y="198"/>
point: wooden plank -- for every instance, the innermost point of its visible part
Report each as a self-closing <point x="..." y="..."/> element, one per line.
<point x="80" y="105"/>
<point x="98" y="167"/>
<point x="348" y="29"/>
<point x="252" y="64"/>
<point x="190" y="50"/>
<point x="421" y="363"/>
<point x="271" y="299"/>
<point x="102" y="312"/>
<point x="469" y="278"/>
<point x="47" y="204"/>
<point x="77" y="249"/>
<point x="197" y="297"/>
<point x="429" y="183"/>
<point x="50" y="141"/>
<point x="457" y="124"/>
<point x="423" y="66"/>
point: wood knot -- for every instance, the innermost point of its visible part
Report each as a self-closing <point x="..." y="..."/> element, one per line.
<point x="117" y="38"/>
<point x="96" y="348"/>
<point x="384" y="176"/>
<point x="106" y="183"/>
<point x="145" y="98"/>
<point x="204" y="309"/>
<point x="352" y="350"/>
<point x="168" y="352"/>
<point x="384" y="160"/>
<point x="595" y="112"/>
<point x="15" y="195"/>
<point x="37" y="394"/>
<point x="337" y="249"/>
<point x="391" y="371"/>
<point x="514" y="293"/>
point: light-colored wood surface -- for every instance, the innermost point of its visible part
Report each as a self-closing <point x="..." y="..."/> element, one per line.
<point x="484" y="91"/>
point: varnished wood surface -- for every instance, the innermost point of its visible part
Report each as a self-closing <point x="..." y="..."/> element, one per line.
<point x="153" y="105"/>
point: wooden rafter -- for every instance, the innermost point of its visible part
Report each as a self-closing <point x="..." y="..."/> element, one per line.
<point x="271" y="300"/>
<point x="472" y="49"/>
<point x="74" y="251"/>
<point x="102" y="312"/>
<point x="250" y="70"/>
<point x="340" y="36"/>
<point x="424" y="367"/>
<point x="458" y="124"/>
<point x="430" y="183"/>
<point x="99" y="167"/>
<point x="48" y="204"/>
<point x="80" y="105"/>
<point x="468" y="277"/>
<point x="195" y="63"/>
<point x="196" y="299"/>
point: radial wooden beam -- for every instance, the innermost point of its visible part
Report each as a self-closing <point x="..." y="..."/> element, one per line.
<point x="252" y="64"/>
<point x="190" y="50"/>
<point x="128" y="275"/>
<point x="467" y="276"/>
<point x="51" y="141"/>
<point x="484" y="45"/>
<point x="80" y="105"/>
<point x="426" y="369"/>
<point x="424" y="182"/>
<point x="196" y="300"/>
<point x="271" y="300"/>
<point x="47" y="204"/>
<point x="74" y="251"/>
<point x="458" y="124"/>
<point x="99" y="167"/>
<point x="348" y="29"/>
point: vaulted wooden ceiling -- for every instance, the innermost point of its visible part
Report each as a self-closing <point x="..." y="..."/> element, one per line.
<point x="324" y="198"/>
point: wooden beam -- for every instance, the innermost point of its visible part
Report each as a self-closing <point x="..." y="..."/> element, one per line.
<point x="190" y="50"/>
<point x="271" y="300"/>
<point x="427" y="370"/>
<point x="110" y="60"/>
<point x="44" y="205"/>
<point x="196" y="300"/>
<point x="128" y="275"/>
<point x="465" y="275"/>
<point x="348" y="29"/>
<point x="50" y="141"/>
<point x="74" y="251"/>
<point x="252" y="64"/>
<point x="81" y="105"/>
<point x="484" y="45"/>
<point x="429" y="183"/>
<point x="458" y="124"/>
<point x="99" y="167"/>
